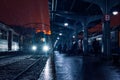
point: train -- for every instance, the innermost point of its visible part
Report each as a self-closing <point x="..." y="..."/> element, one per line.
<point x="41" y="43"/>
<point x="9" y="39"/>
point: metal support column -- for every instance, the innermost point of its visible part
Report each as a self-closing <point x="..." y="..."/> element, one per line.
<point x="85" y="40"/>
<point x="106" y="29"/>
<point x="106" y="38"/>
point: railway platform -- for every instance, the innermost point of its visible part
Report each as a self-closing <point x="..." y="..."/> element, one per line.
<point x="72" y="67"/>
<point x="80" y="68"/>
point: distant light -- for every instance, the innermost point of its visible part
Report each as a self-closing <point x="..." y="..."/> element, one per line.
<point x="34" y="48"/>
<point x="73" y="36"/>
<point x="115" y="12"/>
<point x="0" y="33"/>
<point x="58" y="38"/>
<point x="16" y="47"/>
<point x="89" y="41"/>
<point x="43" y="39"/>
<point x="60" y="34"/>
<point x="65" y="24"/>
<point x="99" y="39"/>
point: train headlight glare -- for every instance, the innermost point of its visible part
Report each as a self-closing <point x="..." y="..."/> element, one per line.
<point x="34" y="48"/>
<point x="46" y="48"/>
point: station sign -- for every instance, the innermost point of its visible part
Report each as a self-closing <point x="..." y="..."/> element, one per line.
<point x="107" y="17"/>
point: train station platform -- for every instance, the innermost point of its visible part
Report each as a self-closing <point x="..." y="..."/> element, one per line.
<point x="80" y="68"/>
<point x="84" y="68"/>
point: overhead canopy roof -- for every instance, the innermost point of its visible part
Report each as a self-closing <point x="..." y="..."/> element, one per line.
<point x="74" y="11"/>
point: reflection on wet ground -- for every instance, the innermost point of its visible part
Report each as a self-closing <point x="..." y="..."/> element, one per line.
<point x="83" y="68"/>
<point x="47" y="73"/>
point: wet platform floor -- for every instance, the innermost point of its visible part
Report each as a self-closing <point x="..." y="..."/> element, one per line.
<point x="48" y="73"/>
<point x="79" y="68"/>
<point x="84" y="68"/>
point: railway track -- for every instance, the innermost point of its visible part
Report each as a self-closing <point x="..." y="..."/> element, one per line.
<point x="8" y="56"/>
<point x="23" y="68"/>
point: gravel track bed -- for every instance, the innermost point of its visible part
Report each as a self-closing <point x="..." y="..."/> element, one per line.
<point x="13" y="59"/>
<point x="8" y="72"/>
<point x="34" y="72"/>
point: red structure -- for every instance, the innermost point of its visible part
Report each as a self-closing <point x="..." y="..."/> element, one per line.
<point x="115" y="22"/>
<point x="28" y="13"/>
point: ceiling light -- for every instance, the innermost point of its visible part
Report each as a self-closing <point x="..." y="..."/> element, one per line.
<point x="58" y="38"/>
<point x="65" y="24"/>
<point x="73" y="36"/>
<point x="115" y="12"/>
<point x="60" y="34"/>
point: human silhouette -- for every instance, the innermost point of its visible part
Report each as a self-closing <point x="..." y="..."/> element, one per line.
<point x="64" y="48"/>
<point x="60" y="48"/>
<point x="96" y="46"/>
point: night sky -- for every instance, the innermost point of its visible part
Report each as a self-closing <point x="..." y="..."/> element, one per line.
<point x="21" y="12"/>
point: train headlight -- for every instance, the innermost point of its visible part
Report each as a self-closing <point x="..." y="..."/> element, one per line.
<point x="34" y="48"/>
<point x="46" y="48"/>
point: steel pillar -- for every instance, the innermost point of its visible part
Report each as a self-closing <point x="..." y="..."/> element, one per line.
<point x="85" y="40"/>
<point x="106" y="29"/>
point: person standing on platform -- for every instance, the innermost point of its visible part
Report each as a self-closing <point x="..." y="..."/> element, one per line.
<point x="96" y="46"/>
<point x="80" y="42"/>
<point x="60" y="48"/>
<point x="65" y="48"/>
